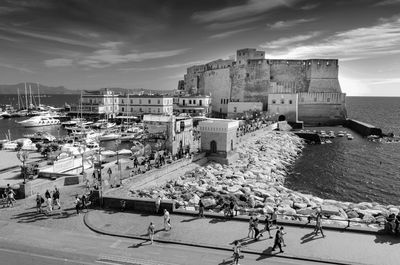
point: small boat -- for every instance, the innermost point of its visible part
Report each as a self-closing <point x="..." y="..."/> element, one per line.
<point x="126" y="137"/>
<point x="12" y="145"/>
<point x="40" y="137"/>
<point x="350" y="137"/>
<point x="136" y="146"/>
<point x="124" y="152"/>
<point x="340" y="134"/>
<point x="108" y="153"/>
<point x="109" y="136"/>
<point x="40" y="121"/>
<point x="5" y="115"/>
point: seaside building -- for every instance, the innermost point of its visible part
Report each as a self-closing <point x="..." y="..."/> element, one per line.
<point x="219" y="139"/>
<point x="174" y="133"/>
<point x="101" y="103"/>
<point x="138" y="105"/>
<point x="252" y="78"/>
<point x="238" y="109"/>
<point x="194" y="105"/>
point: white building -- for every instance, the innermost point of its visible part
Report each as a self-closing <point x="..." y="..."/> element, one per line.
<point x="132" y="104"/>
<point x="98" y="103"/>
<point x="194" y="105"/>
<point x="237" y="109"/>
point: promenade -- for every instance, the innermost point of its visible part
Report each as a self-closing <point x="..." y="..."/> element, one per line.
<point x="337" y="247"/>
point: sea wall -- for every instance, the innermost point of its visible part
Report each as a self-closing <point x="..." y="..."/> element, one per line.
<point x="363" y="128"/>
<point x="255" y="183"/>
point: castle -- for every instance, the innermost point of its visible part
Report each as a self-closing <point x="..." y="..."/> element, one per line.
<point x="301" y="90"/>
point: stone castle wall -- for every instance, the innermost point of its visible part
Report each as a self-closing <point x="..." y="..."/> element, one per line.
<point x="252" y="78"/>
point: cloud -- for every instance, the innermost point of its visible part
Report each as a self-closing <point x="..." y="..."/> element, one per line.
<point x="167" y="66"/>
<point x="387" y="2"/>
<point x="309" y="6"/>
<point x="250" y="8"/>
<point x="57" y="62"/>
<point x="289" y="23"/>
<point x="364" y="42"/>
<point x="22" y="69"/>
<point x="284" y="42"/>
<point x="233" y="24"/>
<point x="227" y="34"/>
<point x="384" y="81"/>
<point x="111" y="55"/>
<point x="40" y="36"/>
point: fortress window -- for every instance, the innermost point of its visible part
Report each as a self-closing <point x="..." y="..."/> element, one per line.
<point x="131" y="101"/>
<point x="240" y="62"/>
<point x="149" y="101"/>
<point x="290" y="101"/>
<point x="140" y="101"/>
<point x="140" y="109"/>
<point x="273" y="101"/>
<point x="282" y="101"/>
<point x="235" y="109"/>
<point x="247" y="75"/>
<point x="158" y="101"/>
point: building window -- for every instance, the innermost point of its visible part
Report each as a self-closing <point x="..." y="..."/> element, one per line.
<point x="123" y="109"/>
<point x="282" y="101"/>
<point x="149" y="109"/>
<point x="131" y="109"/>
<point x="200" y="102"/>
<point x="315" y="99"/>
<point x="158" y="101"/>
<point x="140" y="109"/>
<point x="149" y="101"/>
<point x="235" y="109"/>
<point x="140" y="101"/>
<point x="183" y="103"/>
<point x="158" y="110"/>
<point x="222" y="101"/>
<point x="131" y="101"/>
<point x="302" y="99"/>
<point x="190" y="101"/>
<point x="220" y="110"/>
<point x="273" y="101"/>
<point x="248" y="75"/>
<point x="290" y="101"/>
<point x="328" y="100"/>
<point x="122" y="101"/>
<point x="194" y="101"/>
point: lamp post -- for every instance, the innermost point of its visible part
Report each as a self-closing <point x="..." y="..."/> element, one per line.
<point x="117" y="143"/>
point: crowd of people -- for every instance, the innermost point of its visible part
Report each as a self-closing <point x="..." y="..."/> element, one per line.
<point x="8" y="196"/>
<point x="51" y="199"/>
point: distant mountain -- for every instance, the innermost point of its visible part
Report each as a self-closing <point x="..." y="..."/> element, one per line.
<point x="60" y="90"/>
<point x="13" y="89"/>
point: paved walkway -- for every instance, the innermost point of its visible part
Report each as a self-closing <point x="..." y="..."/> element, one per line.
<point x="337" y="247"/>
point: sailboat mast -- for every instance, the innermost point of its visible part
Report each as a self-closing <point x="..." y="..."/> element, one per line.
<point x="38" y="92"/>
<point x="30" y="96"/>
<point x="19" y="102"/>
<point x="26" y="98"/>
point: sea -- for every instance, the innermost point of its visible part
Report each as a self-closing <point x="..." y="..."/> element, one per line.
<point x="346" y="170"/>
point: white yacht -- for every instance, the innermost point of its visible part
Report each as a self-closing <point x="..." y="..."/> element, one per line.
<point x="39" y="121"/>
<point x="110" y="136"/>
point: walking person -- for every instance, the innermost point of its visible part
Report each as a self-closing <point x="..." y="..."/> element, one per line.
<point x="274" y="217"/>
<point x="201" y="209"/>
<point x="251" y="228"/>
<point x="278" y="240"/>
<point x="167" y="220"/>
<point x="11" y="197"/>
<point x="47" y="195"/>
<point x="56" y="197"/>
<point x="158" y="203"/>
<point x="39" y="202"/>
<point x="151" y="230"/>
<point x="236" y="252"/>
<point x="77" y="204"/>
<point x="267" y="225"/>
<point x="318" y="224"/>
<point x="257" y="233"/>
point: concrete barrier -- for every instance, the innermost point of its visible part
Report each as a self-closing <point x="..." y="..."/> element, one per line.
<point x="137" y="204"/>
<point x="363" y="128"/>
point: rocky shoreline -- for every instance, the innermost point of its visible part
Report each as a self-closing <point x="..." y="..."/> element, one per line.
<point x="256" y="184"/>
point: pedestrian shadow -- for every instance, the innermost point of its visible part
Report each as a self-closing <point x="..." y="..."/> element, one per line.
<point x="218" y="220"/>
<point x="190" y="220"/>
<point x="30" y="217"/>
<point x="387" y="239"/>
<point x="267" y="253"/>
<point x="309" y="237"/>
<point x="141" y="244"/>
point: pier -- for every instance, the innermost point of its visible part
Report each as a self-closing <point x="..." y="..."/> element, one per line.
<point x="363" y="128"/>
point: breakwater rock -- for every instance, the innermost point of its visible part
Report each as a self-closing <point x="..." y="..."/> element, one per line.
<point x="256" y="184"/>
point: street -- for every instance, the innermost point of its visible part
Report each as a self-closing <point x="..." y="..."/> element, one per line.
<point x="30" y="244"/>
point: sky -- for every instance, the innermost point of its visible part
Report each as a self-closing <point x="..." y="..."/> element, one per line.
<point x="91" y="44"/>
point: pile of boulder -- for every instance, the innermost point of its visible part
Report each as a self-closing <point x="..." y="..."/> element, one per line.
<point x="255" y="184"/>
